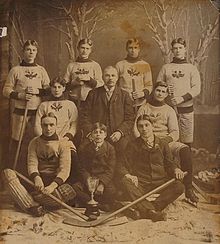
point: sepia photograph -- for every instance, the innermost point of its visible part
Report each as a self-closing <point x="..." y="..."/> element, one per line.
<point x="109" y="121"/>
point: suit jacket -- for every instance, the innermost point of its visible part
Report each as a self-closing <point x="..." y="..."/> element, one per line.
<point x="148" y="164"/>
<point x="99" y="163"/>
<point x="117" y="114"/>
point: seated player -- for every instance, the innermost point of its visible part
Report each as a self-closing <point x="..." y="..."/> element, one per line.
<point x="146" y="164"/>
<point x="112" y="106"/>
<point x="97" y="159"/>
<point x="165" y="126"/>
<point x="48" y="165"/>
<point x="64" y="110"/>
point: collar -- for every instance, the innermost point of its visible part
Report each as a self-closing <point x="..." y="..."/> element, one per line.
<point x="61" y="98"/>
<point x="132" y="60"/>
<point x="97" y="146"/>
<point x="156" y="103"/>
<point x="54" y="137"/>
<point x="146" y="147"/>
<point x="82" y="60"/>
<point x="23" y="63"/>
<point x="109" y="90"/>
<point x="179" y="61"/>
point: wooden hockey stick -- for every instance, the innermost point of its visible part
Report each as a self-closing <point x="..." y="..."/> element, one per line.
<point x="135" y="100"/>
<point x="21" y="135"/>
<point x="63" y="204"/>
<point x="97" y="222"/>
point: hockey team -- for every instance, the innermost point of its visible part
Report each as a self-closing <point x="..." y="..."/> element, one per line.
<point x="117" y="125"/>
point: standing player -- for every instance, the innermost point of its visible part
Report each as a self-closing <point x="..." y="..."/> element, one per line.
<point x="25" y="84"/>
<point x="134" y="73"/>
<point x="184" y="84"/>
<point x="84" y="74"/>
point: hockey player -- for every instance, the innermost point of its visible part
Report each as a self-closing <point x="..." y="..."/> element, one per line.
<point x="84" y="74"/>
<point x="135" y="74"/>
<point x="183" y="80"/>
<point x="49" y="163"/>
<point x="26" y="84"/>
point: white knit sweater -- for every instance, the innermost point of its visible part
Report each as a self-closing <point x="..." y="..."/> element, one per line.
<point x="184" y="77"/>
<point x="20" y="77"/>
<point x="138" y="71"/>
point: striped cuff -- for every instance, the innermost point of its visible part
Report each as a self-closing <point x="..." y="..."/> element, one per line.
<point x="43" y="92"/>
<point x="14" y="95"/>
<point x="58" y="180"/>
<point x="122" y="134"/>
<point x="187" y="97"/>
<point x="69" y="135"/>
<point x="146" y="93"/>
<point x="185" y="110"/>
<point x="33" y="175"/>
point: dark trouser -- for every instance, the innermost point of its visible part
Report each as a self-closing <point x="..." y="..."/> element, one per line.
<point x="167" y="196"/>
<point x="186" y="165"/>
<point x="83" y="195"/>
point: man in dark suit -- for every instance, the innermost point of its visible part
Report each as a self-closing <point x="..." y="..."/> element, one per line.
<point x="146" y="164"/>
<point x="112" y="106"/>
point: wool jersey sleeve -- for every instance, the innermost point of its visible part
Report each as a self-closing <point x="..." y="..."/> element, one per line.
<point x="40" y="112"/>
<point x="32" y="159"/>
<point x="98" y="75"/>
<point x="63" y="171"/>
<point x="195" y="82"/>
<point x="172" y="123"/>
<point x="67" y="76"/>
<point x="10" y="82"/>
<point x="148" y="79"/>
<point x="73" y="118"/>
<point x="45" y="79"/>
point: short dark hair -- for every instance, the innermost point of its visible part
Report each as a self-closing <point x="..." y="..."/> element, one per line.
<point x="160" y="83"/>
<point x="179" y="40"/>
<point x="30" y="42"/>
<point x="50" y="114"/>
<point x="85" y="41"/>
<point x="143" y="117"/>
<point x="100" y="126"/>
<point x="131" y="41"/>
<point x="59" y="80"/>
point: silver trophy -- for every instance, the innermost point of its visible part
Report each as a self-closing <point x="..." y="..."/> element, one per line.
<point x="92" y="183"/>
<point x="92" y="205"/>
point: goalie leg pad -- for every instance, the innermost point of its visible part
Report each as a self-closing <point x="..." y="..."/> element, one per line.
<point x="17" y="191"/>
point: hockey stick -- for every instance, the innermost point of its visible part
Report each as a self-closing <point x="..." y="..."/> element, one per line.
<point x="63" y="204"/>
<point x="135" y="100"/>
<point x="97" y="222"/>
<point x="21" y="135"/>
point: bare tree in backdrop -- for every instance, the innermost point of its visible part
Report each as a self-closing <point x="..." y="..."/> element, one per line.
<point x="168" y="19"/>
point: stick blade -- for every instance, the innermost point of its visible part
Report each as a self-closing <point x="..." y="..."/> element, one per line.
<point x="76" y="222"/>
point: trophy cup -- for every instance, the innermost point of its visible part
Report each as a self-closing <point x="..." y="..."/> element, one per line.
<point x="92" y="209"/>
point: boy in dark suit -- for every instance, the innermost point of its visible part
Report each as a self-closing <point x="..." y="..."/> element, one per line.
<point x="96" y="159"/>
